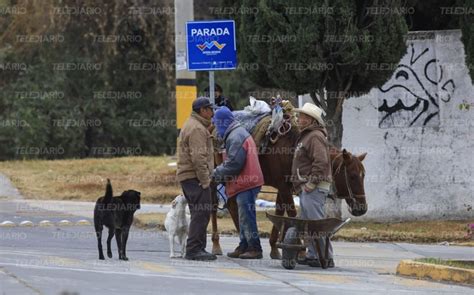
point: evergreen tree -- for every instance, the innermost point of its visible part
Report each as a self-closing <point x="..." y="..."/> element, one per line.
<point x="128" y="45"/>
<point x="317" y="45"/>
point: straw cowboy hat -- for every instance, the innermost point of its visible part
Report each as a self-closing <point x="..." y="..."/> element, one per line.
<point x="312" y="111"/>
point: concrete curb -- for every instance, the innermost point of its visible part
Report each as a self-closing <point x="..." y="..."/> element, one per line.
<point x="436" y="272"/>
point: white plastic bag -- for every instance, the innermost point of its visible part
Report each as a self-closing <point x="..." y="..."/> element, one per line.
<point x="257" y="106"/>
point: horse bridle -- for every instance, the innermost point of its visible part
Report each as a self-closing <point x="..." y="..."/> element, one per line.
<point x="351" y="196"/>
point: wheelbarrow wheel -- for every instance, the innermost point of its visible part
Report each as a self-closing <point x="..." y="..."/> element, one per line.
<point x="288" y="263"/>
<point x="288" y="259"/>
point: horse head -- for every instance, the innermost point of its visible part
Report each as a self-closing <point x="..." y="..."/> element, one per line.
<point x="348" y="173"/>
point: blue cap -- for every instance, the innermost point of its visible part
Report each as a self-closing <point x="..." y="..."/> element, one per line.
<point x="202" y="102"/>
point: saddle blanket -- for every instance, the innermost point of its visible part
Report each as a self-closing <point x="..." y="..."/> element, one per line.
<point x="248" y="119"/>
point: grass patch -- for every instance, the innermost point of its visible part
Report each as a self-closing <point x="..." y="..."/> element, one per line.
<point x="414" y="232"/>
<point x="84" y="179"/>
<point x="453" y="263"/>
<point x="409" y="232"/>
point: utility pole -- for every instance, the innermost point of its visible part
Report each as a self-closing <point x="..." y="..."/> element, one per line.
<point x="186" y="89"/>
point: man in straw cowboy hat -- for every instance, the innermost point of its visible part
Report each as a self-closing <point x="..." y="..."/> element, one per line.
<point x="311" y="172"/>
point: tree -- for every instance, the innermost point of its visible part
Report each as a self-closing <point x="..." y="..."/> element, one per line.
<point x="467" y="27"/>
<point x="317" y="45"/>
<point x="110" y="37"/>
<point x="445" y="15"/>
<point x="428" y="16"/>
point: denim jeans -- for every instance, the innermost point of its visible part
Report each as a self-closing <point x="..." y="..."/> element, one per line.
<point x="249" y="238"/>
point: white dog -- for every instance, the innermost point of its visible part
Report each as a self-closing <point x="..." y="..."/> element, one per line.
<point x="177" y="224"/>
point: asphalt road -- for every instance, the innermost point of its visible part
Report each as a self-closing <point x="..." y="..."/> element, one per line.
<point x="62" y="259"/>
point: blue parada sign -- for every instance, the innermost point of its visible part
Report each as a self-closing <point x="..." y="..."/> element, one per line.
<point x="211" y="45"/>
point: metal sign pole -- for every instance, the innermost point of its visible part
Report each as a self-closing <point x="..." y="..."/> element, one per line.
<point x="211" y="87"/>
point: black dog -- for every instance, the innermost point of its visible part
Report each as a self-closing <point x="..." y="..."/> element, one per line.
<point x="116" y="213"/>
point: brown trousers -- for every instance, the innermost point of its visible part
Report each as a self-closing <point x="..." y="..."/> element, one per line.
<point x="200" y="207"/>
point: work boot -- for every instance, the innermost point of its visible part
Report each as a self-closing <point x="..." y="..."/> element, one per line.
<point x="201" y="256"/>
<point x="305" y="260"/>
<point x="314" y="263"/>
<point x="317" y="263"/>
<point x="251" y="254"/>
<point x="237" y="252"/>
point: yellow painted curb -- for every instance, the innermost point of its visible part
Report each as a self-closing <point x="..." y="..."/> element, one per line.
<point x="435" y="272"/>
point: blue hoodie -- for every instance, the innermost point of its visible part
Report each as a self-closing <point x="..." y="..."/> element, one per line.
<point x="222" y="119"/>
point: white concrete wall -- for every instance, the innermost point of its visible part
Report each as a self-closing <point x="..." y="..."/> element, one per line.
<point x="423" y="168"/>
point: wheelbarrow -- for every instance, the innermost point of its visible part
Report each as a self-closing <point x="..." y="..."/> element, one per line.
<point x="306" y="230"/>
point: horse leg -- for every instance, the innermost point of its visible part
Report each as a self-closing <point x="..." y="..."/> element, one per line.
<point x="216" y="247"/>
<point x="289" y="204"/>
<point x="279" y="210"/>
<point x="234" y="212"/>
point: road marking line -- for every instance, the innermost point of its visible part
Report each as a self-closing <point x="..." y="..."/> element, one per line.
<point x="414" y="282"/>
<point x="242" y="273"/>
<point x="63" y="261"/>
<point x="328" y="278"/>
<point x="155" y="267"/>
<point x="180" y="276"/>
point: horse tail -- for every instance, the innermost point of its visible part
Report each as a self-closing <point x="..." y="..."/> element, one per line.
<point x="108" y="192"/>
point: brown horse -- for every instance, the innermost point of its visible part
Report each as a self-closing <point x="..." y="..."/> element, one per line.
<point x="275" y="161"/>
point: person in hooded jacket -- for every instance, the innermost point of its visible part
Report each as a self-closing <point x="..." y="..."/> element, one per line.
<point x="243" y="179"/>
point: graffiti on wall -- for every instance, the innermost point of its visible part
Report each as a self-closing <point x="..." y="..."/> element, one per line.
<point x="412" y="96"/>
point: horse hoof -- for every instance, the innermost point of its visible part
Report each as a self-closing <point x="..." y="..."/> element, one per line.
<point x="216" y="250"/>
<point x="275" y="254"/>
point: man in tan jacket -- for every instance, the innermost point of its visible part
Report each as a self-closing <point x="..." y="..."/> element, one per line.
<point x="311" y="172"/>
<point x="195" y="165"/>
